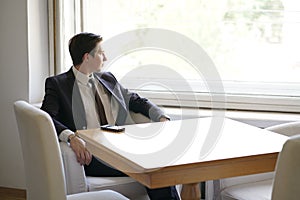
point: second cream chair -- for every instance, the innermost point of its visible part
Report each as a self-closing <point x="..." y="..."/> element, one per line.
<point x="253" y="187"/>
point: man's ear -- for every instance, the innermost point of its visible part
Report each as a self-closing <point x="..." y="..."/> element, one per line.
<point x="85" y="57"/>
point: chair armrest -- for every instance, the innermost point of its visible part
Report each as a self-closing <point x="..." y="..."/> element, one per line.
<point x="74" y="172"/>
<point x="138" y="118"/>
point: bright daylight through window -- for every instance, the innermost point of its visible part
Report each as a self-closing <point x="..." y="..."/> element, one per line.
<point x="253" y="44"/>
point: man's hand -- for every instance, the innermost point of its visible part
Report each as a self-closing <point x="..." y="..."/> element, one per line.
<point x="163" y="119"/>
<point x="84" y="157"/>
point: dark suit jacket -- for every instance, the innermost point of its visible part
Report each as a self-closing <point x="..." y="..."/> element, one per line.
<point x="63" y="101"/>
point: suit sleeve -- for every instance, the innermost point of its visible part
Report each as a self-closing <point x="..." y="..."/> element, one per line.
<point x="141" y="105"/>
<point x="51" y="104"/>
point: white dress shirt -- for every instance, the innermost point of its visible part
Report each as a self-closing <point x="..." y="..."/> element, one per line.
<point x="88" y="99"/>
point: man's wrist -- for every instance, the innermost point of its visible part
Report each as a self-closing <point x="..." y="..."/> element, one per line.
<point x="71" y="137"/>
<point x="64" y="135"/>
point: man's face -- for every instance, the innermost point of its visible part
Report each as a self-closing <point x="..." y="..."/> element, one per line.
<point x="97" y="60"/>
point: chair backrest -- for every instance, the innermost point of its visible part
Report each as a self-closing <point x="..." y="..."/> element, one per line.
<point x="42" y="157"/>
<point x="287" y="174"/>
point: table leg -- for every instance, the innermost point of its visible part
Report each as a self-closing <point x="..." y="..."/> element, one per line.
<point x="190" y="192"/>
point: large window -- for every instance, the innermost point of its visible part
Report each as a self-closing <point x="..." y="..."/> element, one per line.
<point x="253" y="44"/>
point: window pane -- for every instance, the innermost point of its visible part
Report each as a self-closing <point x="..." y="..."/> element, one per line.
<point x="254" y="44"/>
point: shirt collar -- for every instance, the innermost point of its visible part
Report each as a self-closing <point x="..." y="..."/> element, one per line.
<point x="82" y="78"/>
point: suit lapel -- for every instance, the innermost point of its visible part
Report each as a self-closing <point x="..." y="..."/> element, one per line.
<point x="118" y="97"/>
<point x="76" y="101"/>
<point x="115" y="91"/>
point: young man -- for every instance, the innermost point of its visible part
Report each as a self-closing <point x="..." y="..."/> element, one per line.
<point x="70" y="101"/>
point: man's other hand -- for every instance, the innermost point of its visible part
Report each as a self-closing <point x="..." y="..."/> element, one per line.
<point x="84" y="157"/>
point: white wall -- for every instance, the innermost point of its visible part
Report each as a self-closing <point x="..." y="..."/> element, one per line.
<point x="23" y="57"/>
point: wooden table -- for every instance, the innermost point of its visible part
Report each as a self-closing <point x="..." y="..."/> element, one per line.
<point x="186" y="151"/>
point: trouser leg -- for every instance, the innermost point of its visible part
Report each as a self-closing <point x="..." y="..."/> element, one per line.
<point x="166" y="193"/>
<point x="99" y="169"/>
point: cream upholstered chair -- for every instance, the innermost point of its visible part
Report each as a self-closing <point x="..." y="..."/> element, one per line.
<point x="287" y="174"/>
<point x="82" y="183"/>
<point x="42" y="158"/>
<point x="253" y="187"/>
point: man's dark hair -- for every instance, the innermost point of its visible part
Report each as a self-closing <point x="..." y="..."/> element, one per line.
<point x="82" y="43"/>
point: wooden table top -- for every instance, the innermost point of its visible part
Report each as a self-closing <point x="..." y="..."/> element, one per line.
<point x="186" y="151"/>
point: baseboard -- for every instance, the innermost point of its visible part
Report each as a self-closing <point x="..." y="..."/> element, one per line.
<point x="12" y="192"/>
